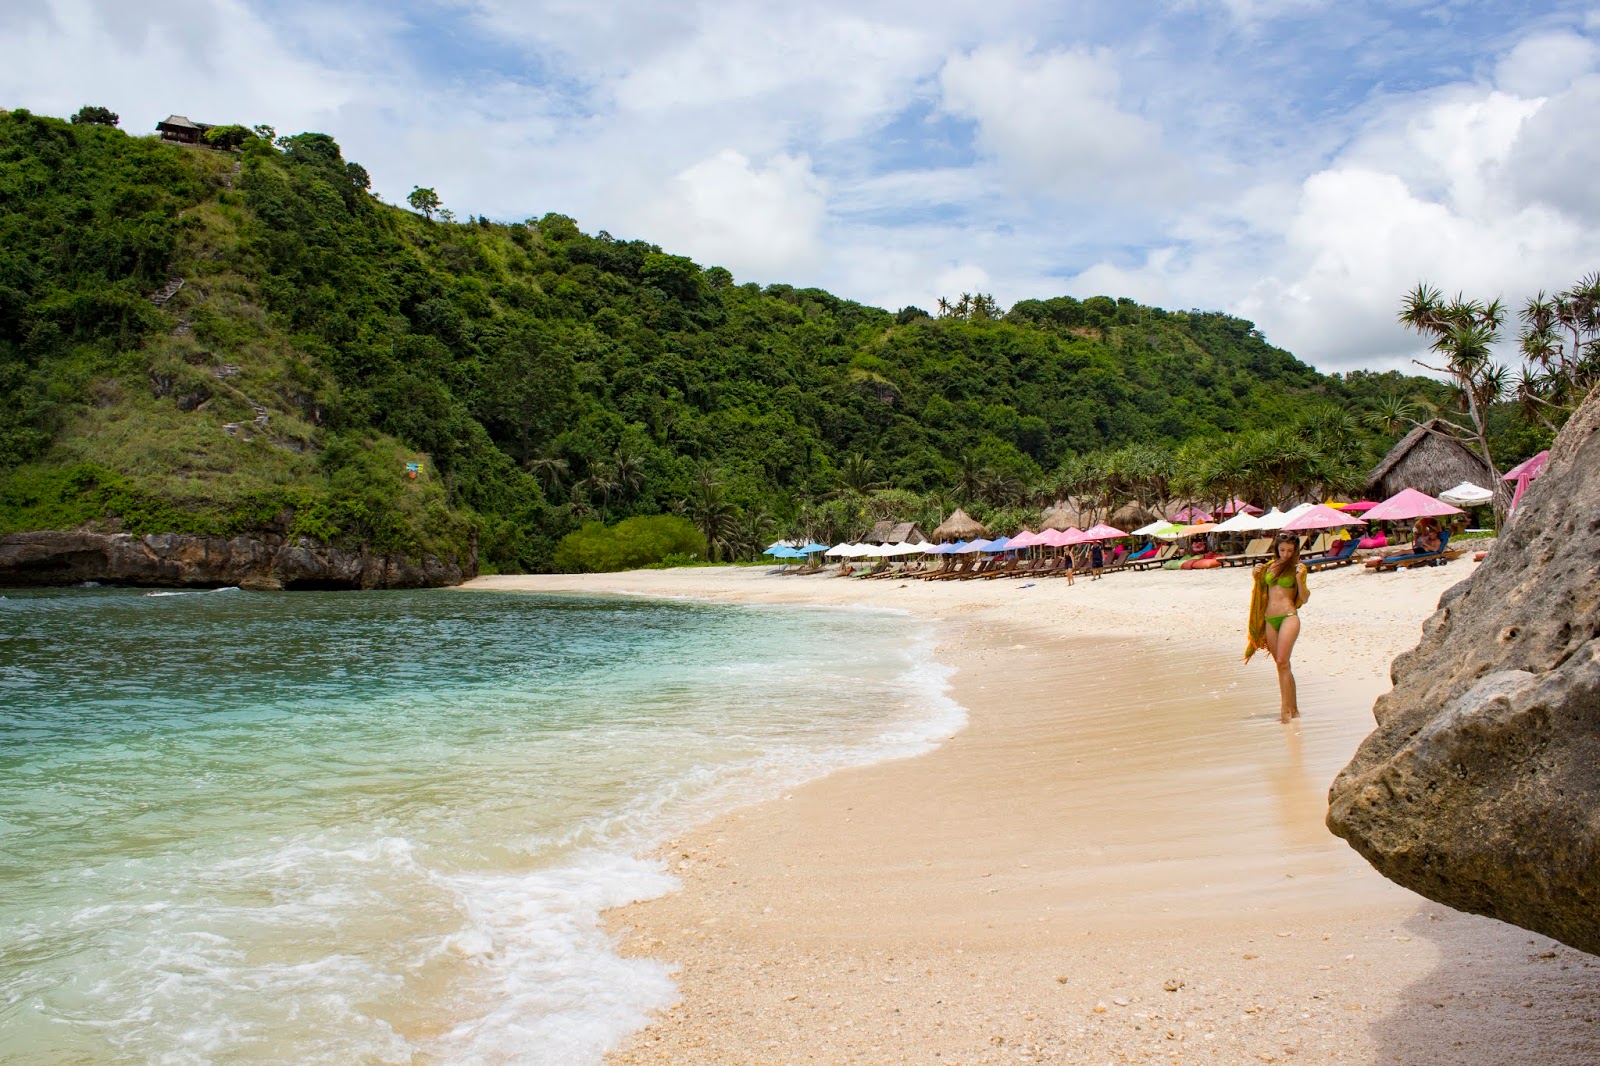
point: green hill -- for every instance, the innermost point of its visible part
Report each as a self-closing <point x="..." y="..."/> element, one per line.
<point x="542" y="378"/>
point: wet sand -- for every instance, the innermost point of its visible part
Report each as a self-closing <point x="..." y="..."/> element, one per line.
<point x="1121" y="859"/>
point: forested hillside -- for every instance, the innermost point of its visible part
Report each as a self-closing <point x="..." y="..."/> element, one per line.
<point x="541" y="378"/>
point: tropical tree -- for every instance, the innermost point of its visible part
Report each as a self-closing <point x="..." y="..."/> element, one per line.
<point x="709" y="508"/>
<point x="1393" y="414"/>
<point x="858" y="474"/>
<point x="89" y="115"/>
<point x="549" y="468"/>
<point x="425" y="200"/>
<point x="1561" y="336"/>
<point x="1463" y="334"/>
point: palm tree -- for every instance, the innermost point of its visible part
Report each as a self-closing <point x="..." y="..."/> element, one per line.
<point x="859" y="475"/>
<point x="603" y="479"/>
<point x="970" y="477"/>
<point x="709" y="508"/>
<point x="627" y="468"/>
<point x="550" y="469"/>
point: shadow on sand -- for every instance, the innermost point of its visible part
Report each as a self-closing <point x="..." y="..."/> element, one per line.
<point x="1498" y="995"/>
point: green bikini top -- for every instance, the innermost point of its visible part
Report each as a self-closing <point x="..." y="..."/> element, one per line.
<point x="1288" y="581"/>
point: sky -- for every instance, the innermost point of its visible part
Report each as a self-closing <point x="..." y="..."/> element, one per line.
<point x="1299" y="163"/>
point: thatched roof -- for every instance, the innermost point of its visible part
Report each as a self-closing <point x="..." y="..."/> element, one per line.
<point x="1131" y="515"/>
<point x="1429" y="459"/>
<point x="1063" y="516"/>
<point x="891" y="532"/>
<point x="959" y="526"/>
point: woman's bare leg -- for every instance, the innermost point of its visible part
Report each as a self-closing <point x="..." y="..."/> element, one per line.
<point x="1282" y="647"/>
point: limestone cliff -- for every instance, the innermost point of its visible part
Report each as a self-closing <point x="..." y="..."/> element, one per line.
<point x="1480" y="787"/>
<point x="183" y="561"/>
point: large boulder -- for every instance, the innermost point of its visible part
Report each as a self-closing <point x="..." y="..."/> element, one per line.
<point x="1480" y="788"/>
<point x="181" y="560"/>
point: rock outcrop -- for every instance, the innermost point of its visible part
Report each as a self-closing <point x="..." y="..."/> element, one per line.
<point x="1480" y="787"/>
<point x="175" y="560"/>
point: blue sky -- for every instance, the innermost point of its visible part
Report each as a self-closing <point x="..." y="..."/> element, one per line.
<point x="1298" y="162"/>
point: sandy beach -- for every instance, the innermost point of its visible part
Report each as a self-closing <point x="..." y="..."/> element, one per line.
<point x="1121" y="858"/>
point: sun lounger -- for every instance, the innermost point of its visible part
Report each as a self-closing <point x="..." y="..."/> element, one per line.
<point x="1151" y="562"/>
<point x="1406" y="562"/>
<point x="1343" y="557"/>
<point x="1257" y="551"/>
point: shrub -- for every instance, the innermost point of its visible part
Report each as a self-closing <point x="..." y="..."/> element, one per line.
<point x="628" y="545"/>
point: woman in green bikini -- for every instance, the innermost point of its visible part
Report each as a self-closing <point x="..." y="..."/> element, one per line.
<point x="1274" y="617"/>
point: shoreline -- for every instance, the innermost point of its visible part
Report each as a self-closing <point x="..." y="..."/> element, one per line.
<point x="1121" y="858"/>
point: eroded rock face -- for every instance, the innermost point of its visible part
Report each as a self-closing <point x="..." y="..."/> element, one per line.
<point x="176" y="560"/>
<point x="1480" y="788"/>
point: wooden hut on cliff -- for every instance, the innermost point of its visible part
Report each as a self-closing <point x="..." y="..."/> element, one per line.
<point x="1431" y="459"/>
<point x="181" y="129"/>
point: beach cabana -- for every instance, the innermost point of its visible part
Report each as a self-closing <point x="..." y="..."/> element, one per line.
<point x="1133" y="513"/>
<point x="959" y="526"/>
<point x="1409" y="503"/>
<point x="1429" y="459"/>
<point x="892" y="532"/>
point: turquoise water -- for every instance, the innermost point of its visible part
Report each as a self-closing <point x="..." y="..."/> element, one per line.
<point x="337" y="827"/>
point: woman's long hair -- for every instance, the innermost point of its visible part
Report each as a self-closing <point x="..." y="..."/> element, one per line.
<point x="1280" y="565"/>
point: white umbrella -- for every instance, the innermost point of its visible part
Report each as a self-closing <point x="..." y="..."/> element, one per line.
<point x="1273" y="519"/>
<point x="1159" y="528"/>
<point x="1466" y="494"/>
<point x="1242" y="522"/>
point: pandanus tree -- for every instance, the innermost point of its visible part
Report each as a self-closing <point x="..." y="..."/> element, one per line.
<point x="1560" y="336"/>
<point x="1462" y="334"/>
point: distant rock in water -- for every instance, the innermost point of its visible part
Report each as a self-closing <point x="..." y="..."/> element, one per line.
<point x="176" y="560"/>
<point x="1480" y="787"/>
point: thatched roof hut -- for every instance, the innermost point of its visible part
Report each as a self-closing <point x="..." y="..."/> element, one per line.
<point x="891" y="532"/>
<point x="1132" y="515"/>
<point x="959" y="526"/>
<point x="1429" y="459"/>
<point x="1064" y="516"/>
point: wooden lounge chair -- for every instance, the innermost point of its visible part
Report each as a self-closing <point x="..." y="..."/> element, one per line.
<point x="1257" y="551"/>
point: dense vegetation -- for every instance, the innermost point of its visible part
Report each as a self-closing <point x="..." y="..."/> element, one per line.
<point x="543" y="380"/>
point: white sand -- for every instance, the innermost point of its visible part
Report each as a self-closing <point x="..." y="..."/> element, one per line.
<point x="1121" y="859"/>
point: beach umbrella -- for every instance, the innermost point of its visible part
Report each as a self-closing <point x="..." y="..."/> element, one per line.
<point x="1358" y="507"/>
<point x="1004" y="544"/>
<point x="1409" y="503"/>
<point x="1159" y="528"/>
<point x="1321" y="516"/>
<point x="812" y="546"/>
<point x="1467" y="494"/>
<point x="1196" y="529"/>
<point x="1237" y="506"/>
<point x="1273" y="519"/>
<point x="1026" y="539"/>
<point x="1192" y="514"/>
<point x="840" y="551"/>
<point x="1524" y="473"/>
<point x="780" y="551"/>
<point x="1241" y="522"/>
<point x="1101" y="531"/>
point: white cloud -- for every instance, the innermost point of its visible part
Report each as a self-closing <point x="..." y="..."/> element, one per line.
<point x="1053" y="121"/>
<point x="1545" y="63"/>
<point x="755" y="219"/>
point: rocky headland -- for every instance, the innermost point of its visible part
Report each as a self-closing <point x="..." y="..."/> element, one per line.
<point x="175" y="560"/>
<point x="1480" y="787"/>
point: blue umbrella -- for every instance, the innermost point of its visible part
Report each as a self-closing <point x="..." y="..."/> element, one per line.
<point x="813" y="546"/>
<point x="783" y="551"/>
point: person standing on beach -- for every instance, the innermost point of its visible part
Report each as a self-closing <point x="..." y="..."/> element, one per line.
<point x="1278" y="594"/>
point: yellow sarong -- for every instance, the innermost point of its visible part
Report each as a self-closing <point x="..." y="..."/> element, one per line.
<point x="1256" y="633"/>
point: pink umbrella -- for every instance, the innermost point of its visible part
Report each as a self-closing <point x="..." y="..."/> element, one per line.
<point x="1026" y="539"/>
<point x="1187" y="515"/>
<point x="1101" y="531"/>
<point x="1235" y="505"/>
<point x="1358" y="507"/>
<point x="1322" y="517"/>
<point x="1523" y="473"/>
<point x="1409" y="503"/>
